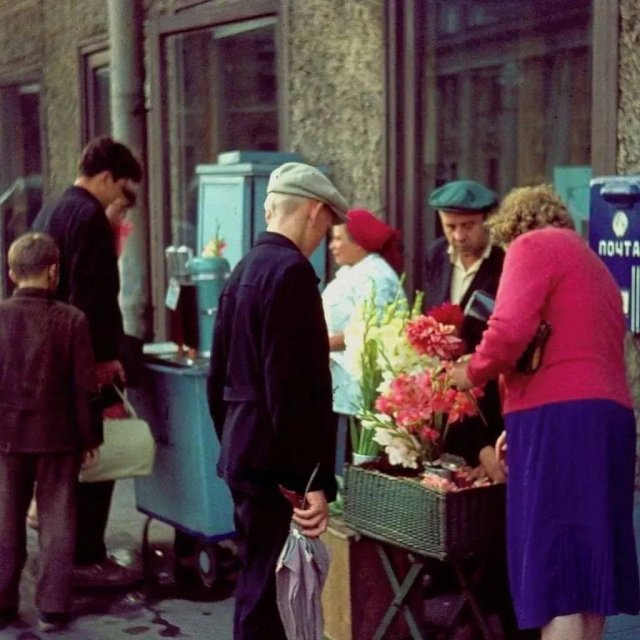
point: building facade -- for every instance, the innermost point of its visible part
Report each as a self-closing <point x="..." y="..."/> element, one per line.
<point x="394" y="96"/>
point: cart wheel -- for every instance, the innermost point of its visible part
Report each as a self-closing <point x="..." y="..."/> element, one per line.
<point x="207" y="562"/>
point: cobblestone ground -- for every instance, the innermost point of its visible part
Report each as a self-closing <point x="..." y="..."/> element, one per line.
<point x="161" y="610"/>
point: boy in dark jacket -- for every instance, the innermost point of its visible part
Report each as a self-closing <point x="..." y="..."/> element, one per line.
<point x="48" y="426"/>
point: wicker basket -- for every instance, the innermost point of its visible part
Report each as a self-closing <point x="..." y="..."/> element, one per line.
<point x="403" y="512"/>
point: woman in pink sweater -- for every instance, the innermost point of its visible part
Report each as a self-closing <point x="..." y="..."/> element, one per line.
<point x="570" y="427"/>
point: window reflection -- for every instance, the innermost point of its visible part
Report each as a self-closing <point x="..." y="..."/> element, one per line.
<point x="96" y="94"/>
<point x="509" y="84"/>
<point x="221" y="95"/>
<point x="20" y="165"/>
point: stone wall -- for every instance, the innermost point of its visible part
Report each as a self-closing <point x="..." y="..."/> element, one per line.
<point x="67" y="24"/>
<point x="18" y="52"/>
<point x="629" y="93"/>
<point x="629" y="149"/>
<point x="335" y="63"/>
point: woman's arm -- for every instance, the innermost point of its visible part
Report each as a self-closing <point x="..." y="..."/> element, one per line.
<point x="528" y="276"/>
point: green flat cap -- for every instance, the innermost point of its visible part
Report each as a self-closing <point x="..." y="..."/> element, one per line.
<point x="465" y="196"/>
<point x="298" y="179"/>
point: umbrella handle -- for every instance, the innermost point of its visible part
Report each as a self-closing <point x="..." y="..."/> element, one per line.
<point x="296" y="500"/>
<point x="293" y="497"/>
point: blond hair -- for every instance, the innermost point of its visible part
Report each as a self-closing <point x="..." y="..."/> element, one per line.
<point x="526" y="208"/>
<point x="31" y="254"/>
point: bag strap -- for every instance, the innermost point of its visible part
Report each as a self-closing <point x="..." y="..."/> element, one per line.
<point x="125" y="401"/>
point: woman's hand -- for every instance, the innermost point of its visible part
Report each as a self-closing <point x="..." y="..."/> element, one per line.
<point x="313" y="521"/>
<point x="501" y="451"/>
<point x="458" y="376"/>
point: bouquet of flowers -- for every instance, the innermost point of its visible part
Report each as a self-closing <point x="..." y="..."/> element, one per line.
<point x="408" y="357"/>
<point x="370" y="328"/>
<point x="215" y="246"/>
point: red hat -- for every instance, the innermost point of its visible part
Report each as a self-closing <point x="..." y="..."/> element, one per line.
<point x="373" y="235"/>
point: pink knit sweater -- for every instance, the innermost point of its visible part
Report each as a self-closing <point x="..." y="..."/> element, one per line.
<point x="551" y="274"/>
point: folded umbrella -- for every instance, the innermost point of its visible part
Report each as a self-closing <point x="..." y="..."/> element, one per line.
<point x="301" y="572"/>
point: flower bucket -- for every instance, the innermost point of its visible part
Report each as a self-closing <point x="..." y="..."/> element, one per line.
<point x="405" y="513"/>
<point x="362" y="458"/>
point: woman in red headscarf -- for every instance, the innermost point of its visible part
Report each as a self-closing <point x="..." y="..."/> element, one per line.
<point x="369" y="255"/>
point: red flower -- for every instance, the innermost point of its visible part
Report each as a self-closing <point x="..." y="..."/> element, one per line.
<point x="448" y="313"/>
<point x="430" y="337"/>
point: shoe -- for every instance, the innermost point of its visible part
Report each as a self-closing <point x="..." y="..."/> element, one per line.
<point x="105" y="574"/>
<point x="7" y="617"/>
<point x="51" y="622"/>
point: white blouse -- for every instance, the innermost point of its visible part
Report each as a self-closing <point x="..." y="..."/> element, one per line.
<point x="352" y="285"/>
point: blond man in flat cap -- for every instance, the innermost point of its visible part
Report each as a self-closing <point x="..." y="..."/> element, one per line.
<point x="269" y="388"/>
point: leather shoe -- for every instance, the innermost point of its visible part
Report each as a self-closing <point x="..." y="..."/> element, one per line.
<point x="52" y="622"/>
<point x="7" y="617"/>
<point x="105" y="574"/>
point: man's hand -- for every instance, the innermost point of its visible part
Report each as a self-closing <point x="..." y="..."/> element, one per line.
<point x="501" y="451"/>
<point x="109" y="372"/>
<point x="90" y="458"/>
<point x="313" y="521"/>
<point x="458" y="376"/>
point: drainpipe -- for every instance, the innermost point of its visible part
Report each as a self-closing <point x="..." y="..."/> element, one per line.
<point x="128" y="126"/>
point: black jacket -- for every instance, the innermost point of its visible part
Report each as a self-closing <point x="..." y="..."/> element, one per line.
<point x="269" y="387"/>
<point x="468" y="437"/>
<point x="47" y="383"/>
<point x="89" y="276"/>
<point x="437" y="284"/>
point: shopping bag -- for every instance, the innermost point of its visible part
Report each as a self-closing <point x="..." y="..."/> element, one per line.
<point x="128" y="450"/>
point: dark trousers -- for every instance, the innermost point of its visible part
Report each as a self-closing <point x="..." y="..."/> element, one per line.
<point x="94" y="502"/>
<point x="55" y="478"/>
<point x="262" y="525"/>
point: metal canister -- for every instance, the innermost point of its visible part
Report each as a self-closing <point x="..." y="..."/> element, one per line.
<point x="184" y="255"/>
<point x="171" y="258"/>
<point x="209" y="276"/>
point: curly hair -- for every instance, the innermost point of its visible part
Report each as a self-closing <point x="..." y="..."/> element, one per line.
<point x="526" y="208"/>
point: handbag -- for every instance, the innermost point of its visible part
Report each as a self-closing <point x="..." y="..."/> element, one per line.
<point x="531" y="359"/>
<point x="480" y="307"/>
<point x="128" y="449"/>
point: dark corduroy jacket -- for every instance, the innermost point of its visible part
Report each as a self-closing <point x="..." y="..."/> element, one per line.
<point x="270" y="386"/>
<point x="47" y="377"/>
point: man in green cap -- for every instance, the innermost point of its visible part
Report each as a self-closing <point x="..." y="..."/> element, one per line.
<point x="464" y="259"/>
<point x="461" y="262"/>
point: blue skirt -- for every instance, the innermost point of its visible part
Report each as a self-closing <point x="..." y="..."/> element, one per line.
<point x="571" y="545"/>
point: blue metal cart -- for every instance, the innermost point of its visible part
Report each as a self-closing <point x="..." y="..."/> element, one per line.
<point x="183" y="491"/>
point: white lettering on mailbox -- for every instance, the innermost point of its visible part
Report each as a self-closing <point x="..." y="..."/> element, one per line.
<point x="620" y="248"/>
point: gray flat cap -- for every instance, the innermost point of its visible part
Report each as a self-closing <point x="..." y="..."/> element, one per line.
<point x="298" y="179"/>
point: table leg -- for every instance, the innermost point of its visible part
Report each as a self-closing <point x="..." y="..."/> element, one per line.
<point x="401" y="591"/>
<point x="471" y="601"/>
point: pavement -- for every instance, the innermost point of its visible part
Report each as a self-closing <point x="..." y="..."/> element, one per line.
<point x="159" y="608"/>
<point x="162" y="607"/>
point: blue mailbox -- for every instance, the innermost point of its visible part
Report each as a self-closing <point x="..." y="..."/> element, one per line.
<point x="614" y="234"/>
<point x="231" y="198"/>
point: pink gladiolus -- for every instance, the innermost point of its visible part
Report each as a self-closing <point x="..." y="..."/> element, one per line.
<point x="429" y="337"/>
